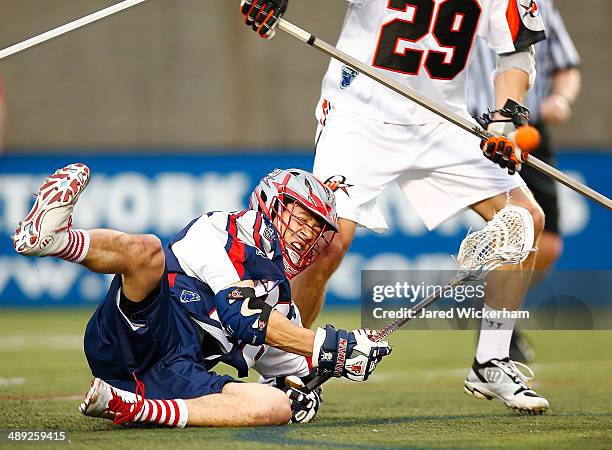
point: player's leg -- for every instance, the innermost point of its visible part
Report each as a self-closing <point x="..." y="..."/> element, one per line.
<point x="353" y="160"/>
<point x="237" y="404"/>
<point x="138" y="258"/>
<point x="550" y="245"/>
<point x="493" y="374"/>
<point x="448" y="176"/>
<point x="153" y="347"/>
<point x="47" y="231"/>
<point x="545" y="191"/>
<point x="507" y="285"/>
<point x="241" y="404"/>
<point x="308" y="288"/>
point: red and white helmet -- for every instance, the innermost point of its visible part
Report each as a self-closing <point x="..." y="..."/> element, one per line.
<point x="279" y="189"/>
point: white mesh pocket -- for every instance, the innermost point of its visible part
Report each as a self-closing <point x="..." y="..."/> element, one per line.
<point x="507" y="239"/>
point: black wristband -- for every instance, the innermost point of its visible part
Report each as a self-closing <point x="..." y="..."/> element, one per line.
<point x="264" y="318"/>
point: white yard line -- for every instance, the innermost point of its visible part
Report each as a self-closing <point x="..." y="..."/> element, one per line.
<point x="40" y="398"/>
<point x="19" y="342"/>
<point x="12" y="381"/>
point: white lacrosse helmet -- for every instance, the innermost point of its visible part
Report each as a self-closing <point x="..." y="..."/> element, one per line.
<point x="280" y="188"/>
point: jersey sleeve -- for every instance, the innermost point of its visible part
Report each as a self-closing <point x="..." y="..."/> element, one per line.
<point x="511" y="25"/>
<point x="220" y="249"/>
<point x="201" y="253"/>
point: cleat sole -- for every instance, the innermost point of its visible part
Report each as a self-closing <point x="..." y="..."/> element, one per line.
<point x="66" y="184"/>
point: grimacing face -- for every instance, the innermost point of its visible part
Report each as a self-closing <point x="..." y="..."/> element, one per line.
<point x="299" y="229"/>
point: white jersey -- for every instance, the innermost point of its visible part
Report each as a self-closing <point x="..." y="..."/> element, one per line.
<point x="218" y="250"/>
<point x="425" y="45"/>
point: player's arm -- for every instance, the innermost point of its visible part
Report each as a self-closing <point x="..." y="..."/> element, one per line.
<point x="514" y="75"/>
<point x="285" y="335"/>
<point x="512" y="84"/>
<point x="511" y="29"/>
<point x="253" y="321"/>
<point x="557" y="107"/>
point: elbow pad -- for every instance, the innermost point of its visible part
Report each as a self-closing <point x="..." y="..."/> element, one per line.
<point x="523" y="60"/>
<point x="243" y="314"/>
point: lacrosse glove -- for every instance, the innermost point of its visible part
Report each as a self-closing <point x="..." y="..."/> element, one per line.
<point x="501" y="148"/>
<point x="304" y="406"/>
<point x="263" y="15"/>
<point x="350" y="354"/>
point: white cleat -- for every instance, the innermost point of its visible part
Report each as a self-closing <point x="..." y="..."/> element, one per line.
<point x="501" y="378"/>
<point x="44" y="231"/>
<point x="104" y="401"/>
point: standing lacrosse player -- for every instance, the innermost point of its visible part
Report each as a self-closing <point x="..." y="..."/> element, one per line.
<point x="219" y="292"/>
<point x="550" y="102"/>
<point x="369" y="136"/>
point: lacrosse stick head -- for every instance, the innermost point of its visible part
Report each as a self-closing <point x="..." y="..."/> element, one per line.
<point x="507" y="239"/>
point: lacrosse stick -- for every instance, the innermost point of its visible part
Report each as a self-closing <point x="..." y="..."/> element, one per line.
<point x="71" y="26"/>
<point x="506" y="240"/>
<point x="461" y="122"/>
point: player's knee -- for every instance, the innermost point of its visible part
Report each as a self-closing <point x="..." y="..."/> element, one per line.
<point x="274" y="409"/>
<point x="537" y="214"/>
<point x="550" y="248"/>
<point x="147" y="252"/>
<point x="539" y="218"/>
<point x="555" y="246"/>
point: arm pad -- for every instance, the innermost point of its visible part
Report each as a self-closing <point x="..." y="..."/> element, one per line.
<point x="243" y="314"/>
<point x="523" y="60"/>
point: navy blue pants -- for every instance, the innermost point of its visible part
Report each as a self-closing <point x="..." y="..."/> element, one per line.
<point x="160" y="344"/>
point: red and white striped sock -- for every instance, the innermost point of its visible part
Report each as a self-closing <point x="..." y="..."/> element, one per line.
<point x="76" y="247"/>
<point x="170" y="413"/>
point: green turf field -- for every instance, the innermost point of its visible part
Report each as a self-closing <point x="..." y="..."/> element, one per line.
<point x="414" y="400"/>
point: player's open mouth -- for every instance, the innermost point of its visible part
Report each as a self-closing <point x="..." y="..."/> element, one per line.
<point x="294" y="251"/>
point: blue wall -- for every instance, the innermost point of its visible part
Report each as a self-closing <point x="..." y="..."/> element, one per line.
<point x="160" y="193"/>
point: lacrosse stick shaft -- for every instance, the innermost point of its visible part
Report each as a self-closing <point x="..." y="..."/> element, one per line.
<point x="396" y="324"/>
<point x="71" y="26"/>
<point x="461" y="122"/>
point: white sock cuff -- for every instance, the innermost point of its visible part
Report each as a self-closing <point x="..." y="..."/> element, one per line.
<point x="86" y="241"/>
<point x="183" y="413"/>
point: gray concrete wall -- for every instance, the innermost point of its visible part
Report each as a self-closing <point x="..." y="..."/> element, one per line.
<point x="186" y="73"/>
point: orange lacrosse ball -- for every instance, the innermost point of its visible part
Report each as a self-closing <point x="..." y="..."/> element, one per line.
<point x="527" y="138"/>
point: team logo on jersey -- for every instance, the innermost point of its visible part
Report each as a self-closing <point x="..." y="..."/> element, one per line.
<point x="336" y="182"/>
<point x="348" y="75"/>
<point x="269" y="233"/>
<point x="530" y="15"/>
<point x="532" y="9"/>
<point x="189" y="297"/>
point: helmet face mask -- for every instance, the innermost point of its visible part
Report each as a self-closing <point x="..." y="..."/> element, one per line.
<point x="303" y="236"/>
<point x="303" y="211"/>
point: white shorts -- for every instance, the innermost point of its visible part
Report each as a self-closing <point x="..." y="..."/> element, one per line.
<point x="438" y="166"/>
